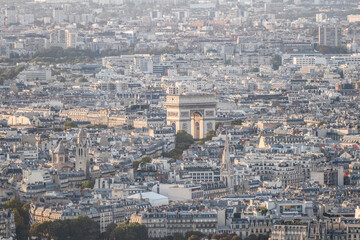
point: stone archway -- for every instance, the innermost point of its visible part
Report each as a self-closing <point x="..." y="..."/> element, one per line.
<point x="197" y="124"/>
<point x="193" y="113"/>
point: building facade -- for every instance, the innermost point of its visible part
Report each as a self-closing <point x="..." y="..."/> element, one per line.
<point x="193" y="113"/>
<point x="82" y="154"/>
<point x="163" y="224"/>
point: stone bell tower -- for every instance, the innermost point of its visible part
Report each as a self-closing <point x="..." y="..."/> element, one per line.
<point x="82" y="153"/>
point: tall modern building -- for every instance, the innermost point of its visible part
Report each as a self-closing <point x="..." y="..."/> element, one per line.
<point x="58" y="38"/>
<point x="330" y="36"/>
<point x="321" y="17"/>
<point x="58" y="15"/>
<point x="71" y="38"/>
<point x="10" y="15"/>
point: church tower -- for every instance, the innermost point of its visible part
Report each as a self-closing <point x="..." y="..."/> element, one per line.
<point x="60" y="158"/>
<point x="82" y="153"/>
<point x="227" y="168"/>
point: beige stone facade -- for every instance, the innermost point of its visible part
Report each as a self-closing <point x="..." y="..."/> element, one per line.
<point x="193" y="113"/>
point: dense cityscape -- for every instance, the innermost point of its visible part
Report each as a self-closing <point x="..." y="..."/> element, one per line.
<point x="180" y="119"/>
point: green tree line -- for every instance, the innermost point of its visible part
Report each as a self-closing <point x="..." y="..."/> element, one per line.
<point x="84" y="228"/>
<point x="54" y="55"/>
<point x="10" y="73"/>
<point x="80" y="228"/>
<point x="60" y="55"/>
<point x="21" y="215"/>
<point x="331" y="49"/>
<point x="183" y="141"/>
<point x="209" y="136"/>
<point x="143" y="160"/>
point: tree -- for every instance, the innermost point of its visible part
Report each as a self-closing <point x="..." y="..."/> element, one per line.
<point x="320" y="124"/>
<point x="97" y="126"/>
<point x="178" y="236"/>
<point x="254" y="69"/>
<point x="10" y="73"/>
<point x="80" y="228"/>
<point x="209" y="135"/>
<point x="146" y="159"/>
<point x="193" y="235"/>
<point x="87" y="184"/>
<point x="129" y="231"/>
<point x="225" y="236"/>
<point x="183" y="142"/>
<point x="235" y="237"/>
<point x="183" y="137"/>
<point x="35" y="230"/>
<point x="276" y="61"/>
<point x="263" y="237"/>
<point x="82" y="80"/>
<point x="236" y="122"/>
<point x="143" y="160"/>
<point x="12" y="204"/>
<point x="21" y="217"/>
<point x="85" y="228"/>
<point x="109" y="229"/>
<point x="263" y="211"/>
<point x="331" y="49"/>
<point x="60" y="55"/>
<point x="251" y="237"/>
<point x="40" y="230"/>
<point x="70" y="124"/>
<point x="217" y="125"/>
<point x="60" y="79"/>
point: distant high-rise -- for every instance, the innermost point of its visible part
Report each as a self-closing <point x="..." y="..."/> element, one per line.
<point x="155" y="14"/>
<point x="58" y="15"/>
<point x="353" y="18"/>
<point x="10" y="16"/>
<point x="330" y="36"/>
<point x="58" y="38"/>
<point x="71" y="38"/>
<point x="321" y="17"/>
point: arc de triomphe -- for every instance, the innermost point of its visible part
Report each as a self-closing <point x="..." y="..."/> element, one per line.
<point x="195" y="113"/>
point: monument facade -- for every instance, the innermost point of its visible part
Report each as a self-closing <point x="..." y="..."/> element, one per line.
<point x="194" y="113"/>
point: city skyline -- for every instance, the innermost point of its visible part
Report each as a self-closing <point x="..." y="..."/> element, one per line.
<point x="180" y="119"/>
